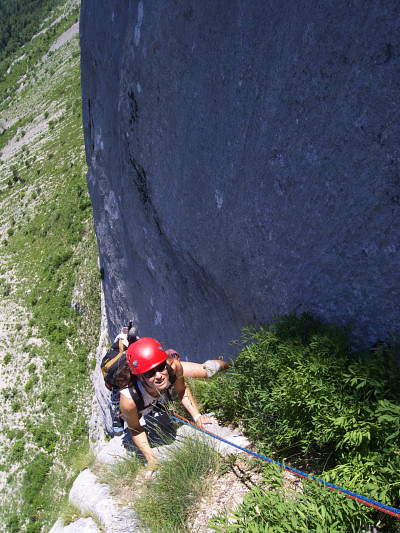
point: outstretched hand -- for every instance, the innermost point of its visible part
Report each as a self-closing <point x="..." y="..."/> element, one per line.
<point x="151" y="467"/>
<point x="202" y="421"/>
<point x="148" y="474"/>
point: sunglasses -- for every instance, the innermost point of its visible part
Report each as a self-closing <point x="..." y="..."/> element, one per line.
<point x="159" y="368"/>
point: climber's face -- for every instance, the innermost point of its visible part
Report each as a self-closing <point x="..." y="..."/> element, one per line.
<point x="157" y="377"/>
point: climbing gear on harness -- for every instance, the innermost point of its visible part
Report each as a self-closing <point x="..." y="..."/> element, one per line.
<point x="136" y="393"/>
<point x="114" y="398"/>
<point x="145" y="354"/>
<point x="132" y="335"/>
<point x="117" y="422"/>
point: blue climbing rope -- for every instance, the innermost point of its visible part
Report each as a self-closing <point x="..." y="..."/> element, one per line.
<point x="362" y="499"/>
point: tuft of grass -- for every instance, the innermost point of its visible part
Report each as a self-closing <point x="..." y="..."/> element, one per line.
<point x="70" y="514"/>
<point x="166" y="501"/>
<point x="84" y="458"/>
<point x="121" y="477"/>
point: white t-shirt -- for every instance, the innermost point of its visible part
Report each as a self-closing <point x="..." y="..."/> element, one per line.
<point x="149" y="401"/>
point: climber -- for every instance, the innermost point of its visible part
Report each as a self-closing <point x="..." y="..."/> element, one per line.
<point x="152" y="376"/>
<point x="207" y="369"/>
<point x="123" y="336"/>
<point x="117" y="375"/>
<point x="128" y="335"/>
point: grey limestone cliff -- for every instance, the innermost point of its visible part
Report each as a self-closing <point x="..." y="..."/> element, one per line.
<point x="243" y="161"/>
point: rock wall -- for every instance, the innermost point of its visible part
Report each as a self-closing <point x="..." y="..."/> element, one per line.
<point x="243" y="161"/>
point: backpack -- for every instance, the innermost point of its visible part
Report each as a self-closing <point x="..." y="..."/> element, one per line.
<point x="112" y="363"/>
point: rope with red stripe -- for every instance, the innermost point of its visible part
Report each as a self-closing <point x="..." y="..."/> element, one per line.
<point x="362" y="499"/>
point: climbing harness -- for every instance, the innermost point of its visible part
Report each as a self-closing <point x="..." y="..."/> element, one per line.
<point x="362" y="499"/>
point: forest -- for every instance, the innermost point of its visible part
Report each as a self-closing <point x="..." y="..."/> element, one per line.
<point x="20" y="20"/>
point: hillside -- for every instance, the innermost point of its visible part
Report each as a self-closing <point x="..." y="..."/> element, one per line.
<point x="49" y="280"/>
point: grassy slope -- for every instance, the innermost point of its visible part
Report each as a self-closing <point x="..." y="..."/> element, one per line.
<point x="48" y="261"/>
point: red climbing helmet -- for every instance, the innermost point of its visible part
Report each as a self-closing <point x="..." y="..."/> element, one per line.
<point x="145" y="354"/>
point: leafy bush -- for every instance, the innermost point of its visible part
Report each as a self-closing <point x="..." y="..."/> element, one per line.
<point x="6" y="289"/>
<point x="79" y="429"/>
<point x="15" y="434"/>
<point x="281" y="508"/>
<point x="34" y="527"/>
<point x="300" y="391"/>
<point x="57" y="332"/>
<point x="45" y="437"/>
<point x="34" y="478"/>
<point x="31" y="382"/>
<point x="7" y="358"/>
<point x="56" y="259"/>
<point x="17" y="451"/>
<point x="16" y="406"/>
<point x="13" y="524"/>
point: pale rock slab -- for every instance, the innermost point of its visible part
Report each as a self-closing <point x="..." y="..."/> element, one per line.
<point x="90" y="495"/>
<point x="113" y="451"/>
<point x="83" y="525"/>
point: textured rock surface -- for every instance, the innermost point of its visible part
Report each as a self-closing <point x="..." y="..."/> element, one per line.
<point x="113" y="451"/>
<point x="100" y="419"/>
<point x="90" y="495"/>
<point x="228" y="434"/>
<point x="83" y="525"/>
<point x="94" y="498"/>
<point x="243" y="161"/>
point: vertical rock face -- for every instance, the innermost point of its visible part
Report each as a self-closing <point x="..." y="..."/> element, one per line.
<point x="243" y="161"/>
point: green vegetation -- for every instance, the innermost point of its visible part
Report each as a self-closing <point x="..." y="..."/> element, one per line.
<point x="13" y="524"/>
<point x="180" y="482"/>
<point x="70" y="514"/>
<point x="20" y="20"/>
<point x="20" y="57"/>
<point x="305" y="397"/>
<point x="165" y="502"/>
<point x="48" y="276"/>
<point x="297" y="388"/>
<point x="278" y="507"/>
<point x="121" y="476"/>
<point x="34" y="478"/>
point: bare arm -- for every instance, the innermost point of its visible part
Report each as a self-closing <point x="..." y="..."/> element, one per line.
<point x="139" y="437"/>
<point x="186" y="396"/>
